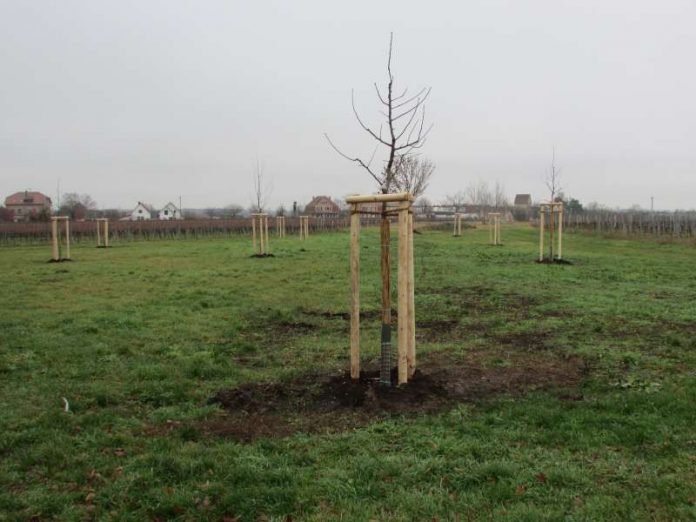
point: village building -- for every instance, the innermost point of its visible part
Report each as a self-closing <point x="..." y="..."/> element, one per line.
<point x="142" y="212"/>
<point x="322" y="207"/>
<point x="170" y="211"/>
<point x="523" y="201"/>
<point x="28" y="205"/>
<point x="522" y="207"/>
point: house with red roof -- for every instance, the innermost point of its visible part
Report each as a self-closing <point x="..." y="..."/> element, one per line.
<point x="322" y="206"/>
<point x="28" y="205"/>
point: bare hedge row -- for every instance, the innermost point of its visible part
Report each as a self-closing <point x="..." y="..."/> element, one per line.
<point x="11" y="233"/>
<point x="680" y="224"/>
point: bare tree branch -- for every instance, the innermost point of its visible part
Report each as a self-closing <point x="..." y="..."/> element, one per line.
<point x="360" y="162"/>
<point x="402" y="132"/>
<point x="262" y="188"/>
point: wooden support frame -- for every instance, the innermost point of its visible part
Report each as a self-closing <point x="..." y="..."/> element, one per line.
<point x="555" y="212"/>
<point x="457" y="225"/>
<point x="56" y="243"/>
<point x="102" y="232"/>
<point x="280" y="226"/>
<point x="406" y="326"/>
<point x="259" y="226"/>
<point x="304" y="227"/>
<point x="494" y="228"/>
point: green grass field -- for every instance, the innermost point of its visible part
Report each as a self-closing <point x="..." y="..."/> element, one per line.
<point x="597" y="421"/>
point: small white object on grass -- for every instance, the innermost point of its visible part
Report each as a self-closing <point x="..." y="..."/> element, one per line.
<point x="66" y="404"/>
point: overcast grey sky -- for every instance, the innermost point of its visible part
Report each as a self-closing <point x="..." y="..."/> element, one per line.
<point x="147" y="100"/>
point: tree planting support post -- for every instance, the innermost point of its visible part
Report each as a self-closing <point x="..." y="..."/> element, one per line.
<point x="555" y="211"/>
<point x="102" y="232"/>
<point x="57" y="252"/>
<point x="405" y="284"/>
<point x="494" y="228"/>
<point x="457" y="225"/>
<point x="304" y="227"/>
<point x="259" y="222"/>
<point x="280" y="226"/>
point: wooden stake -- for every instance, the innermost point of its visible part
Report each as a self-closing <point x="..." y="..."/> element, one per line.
<point x="355" y="294"/>
<point x="497" y="229"/>
<point x="268" y="243"/>
<point x="541" y="233"/>
<point x="106" y="233"/>
<point x="54" y="240"/>
<point x="402" y="286"/>
<point x="99" y="241"/>
<point x="253" y="231"/>
<point x="411" y="352"/>
<point x="67" y="238"/>
<point x="262" y="236"/>
<point x="560" y="232"/>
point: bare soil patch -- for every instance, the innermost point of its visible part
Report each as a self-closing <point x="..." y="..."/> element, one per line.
<point x="345" y="316"/>
<point x="334" y="403"/>
<point x="436" y="330"/>
<point x="529" y="341"/>
<point x="547" y="261"/>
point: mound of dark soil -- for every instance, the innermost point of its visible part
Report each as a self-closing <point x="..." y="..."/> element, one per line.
<point x="547" y="261"/>
<point x="262" y="255"/>
<point x="333" y="403"/>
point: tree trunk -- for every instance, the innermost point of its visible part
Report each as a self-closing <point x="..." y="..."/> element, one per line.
<point x="386" y="357"/>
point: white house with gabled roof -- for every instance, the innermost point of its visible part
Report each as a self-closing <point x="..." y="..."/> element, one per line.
<point x="170" y="211"/>
<point x="142" y="212"/>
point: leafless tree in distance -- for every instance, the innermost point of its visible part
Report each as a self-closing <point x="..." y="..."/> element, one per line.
<point x="233" y="210"/>
<point x="402" y="133"/>
<point x="553" y="184"/>
<point x="262" y="188"/>
<point x="413" y="174"/>
<point x="500" y="199"/>
<point x="456" y="200"/>
<point x="77" y="205"/>
<point x="479" y="193"/>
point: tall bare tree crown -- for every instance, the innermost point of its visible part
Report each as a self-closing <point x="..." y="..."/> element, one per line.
<point x="405" y="131"/>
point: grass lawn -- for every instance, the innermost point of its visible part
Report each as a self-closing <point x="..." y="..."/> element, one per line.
<point x="577" y="383"/>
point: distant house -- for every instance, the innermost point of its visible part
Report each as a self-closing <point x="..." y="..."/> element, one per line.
<point x="28" y="205"/>
<point x="322" y="206"/>
<point x="523" y="200"/>
<point x="142" y="212"/>
<point x="522" y="207"/>
<point x="170" y="211"/>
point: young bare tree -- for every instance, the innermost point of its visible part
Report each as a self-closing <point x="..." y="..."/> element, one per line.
<point x="233" y="210"/>
<point x="456" y="200"/>
<point x="401" y="133"/>
<point x="424" y="207"/>
<point x="413" y="174"/>
<point x="554" y="186"/>
<point x="479" y="194"/>
<point x="499" y="197"/>
<point x="77" y="206"/>
<point x="262" y="188"/>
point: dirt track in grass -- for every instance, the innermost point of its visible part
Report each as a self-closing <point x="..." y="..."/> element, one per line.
<point x="334" y="403"/>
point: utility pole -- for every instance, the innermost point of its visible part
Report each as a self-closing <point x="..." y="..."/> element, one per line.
<point x="181" y="211"/>
<point x="652" y="201"/>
